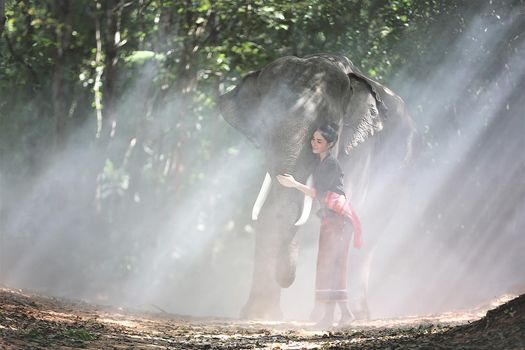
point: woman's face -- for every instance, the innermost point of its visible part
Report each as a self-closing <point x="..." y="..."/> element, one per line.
<point x="319" y="144"/>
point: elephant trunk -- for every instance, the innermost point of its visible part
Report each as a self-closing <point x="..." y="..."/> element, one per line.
<point x="280" y="211"/>
<point x="289" y="250"/>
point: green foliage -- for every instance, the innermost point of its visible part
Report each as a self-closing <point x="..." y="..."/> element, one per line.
<point x="69" y="64"/>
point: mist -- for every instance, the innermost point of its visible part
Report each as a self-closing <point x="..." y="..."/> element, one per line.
<point x="453" y="239"/>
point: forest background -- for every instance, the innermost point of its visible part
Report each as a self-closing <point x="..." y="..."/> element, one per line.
<point x="120" y="182"/>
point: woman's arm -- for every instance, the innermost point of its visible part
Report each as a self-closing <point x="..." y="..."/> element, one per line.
<point x="288" y="181"/>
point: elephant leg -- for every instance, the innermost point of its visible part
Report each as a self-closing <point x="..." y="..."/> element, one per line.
<point x="265" y="294"/>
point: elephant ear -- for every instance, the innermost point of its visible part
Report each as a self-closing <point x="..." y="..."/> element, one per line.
<point x="371" y="108"/>
<point x="239" y="108"/>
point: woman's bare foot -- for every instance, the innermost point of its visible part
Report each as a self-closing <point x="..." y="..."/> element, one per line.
<point x="317" y="313"/>
<point x="347" y="316"/>
<point x="324" y="323"/>
<point x="346" y="319"/>
<point x="328" y="317"/>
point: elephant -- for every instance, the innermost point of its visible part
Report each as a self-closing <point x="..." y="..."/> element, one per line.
<point x="278" y="108"/>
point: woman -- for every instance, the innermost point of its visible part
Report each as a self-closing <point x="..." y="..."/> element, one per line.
<point x="335" y="213"/>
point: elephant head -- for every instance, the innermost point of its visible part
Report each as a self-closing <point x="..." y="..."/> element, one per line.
<point x="278" y="108"/>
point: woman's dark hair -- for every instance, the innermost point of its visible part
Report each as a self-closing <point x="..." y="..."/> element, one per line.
<point x="329" y="131"/>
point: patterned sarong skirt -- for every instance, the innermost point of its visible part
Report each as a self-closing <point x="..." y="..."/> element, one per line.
<point x="332" y="259"/>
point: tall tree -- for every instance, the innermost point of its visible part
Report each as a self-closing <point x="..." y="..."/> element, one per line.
<point x="64" y="13"/>
<point x="2" y="16"/>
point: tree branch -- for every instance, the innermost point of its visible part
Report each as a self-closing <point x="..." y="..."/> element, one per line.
<point x="19" y="59"/>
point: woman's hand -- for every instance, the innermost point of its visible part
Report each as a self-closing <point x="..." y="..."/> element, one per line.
<point x="287" y="180"/>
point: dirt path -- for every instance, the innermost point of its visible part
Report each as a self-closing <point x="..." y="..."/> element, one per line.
<point x="31" y="321"/>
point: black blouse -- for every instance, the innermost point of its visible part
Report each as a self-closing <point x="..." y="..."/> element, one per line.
<point x="328" y="176"/>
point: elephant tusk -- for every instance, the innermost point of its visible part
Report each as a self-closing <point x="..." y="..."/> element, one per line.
<point x="261" y="198"/>
<point x="307" y="205"/>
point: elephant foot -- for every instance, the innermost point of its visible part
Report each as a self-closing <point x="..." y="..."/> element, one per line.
<point x="324" y="324"/>
<point x="346" y="319"/>
<point x="254" y="310"/>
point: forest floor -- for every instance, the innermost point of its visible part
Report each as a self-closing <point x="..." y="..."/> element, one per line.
<point x="32" y="321"/>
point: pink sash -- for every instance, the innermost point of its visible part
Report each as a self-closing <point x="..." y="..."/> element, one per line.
<point x="339" y="204"/>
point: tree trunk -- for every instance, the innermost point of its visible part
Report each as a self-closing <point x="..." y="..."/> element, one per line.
<point x="2" y="16"/>
<point x="107" y="18"/>
<point x="64" y="13"/>
<point x="113" y="12"/>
